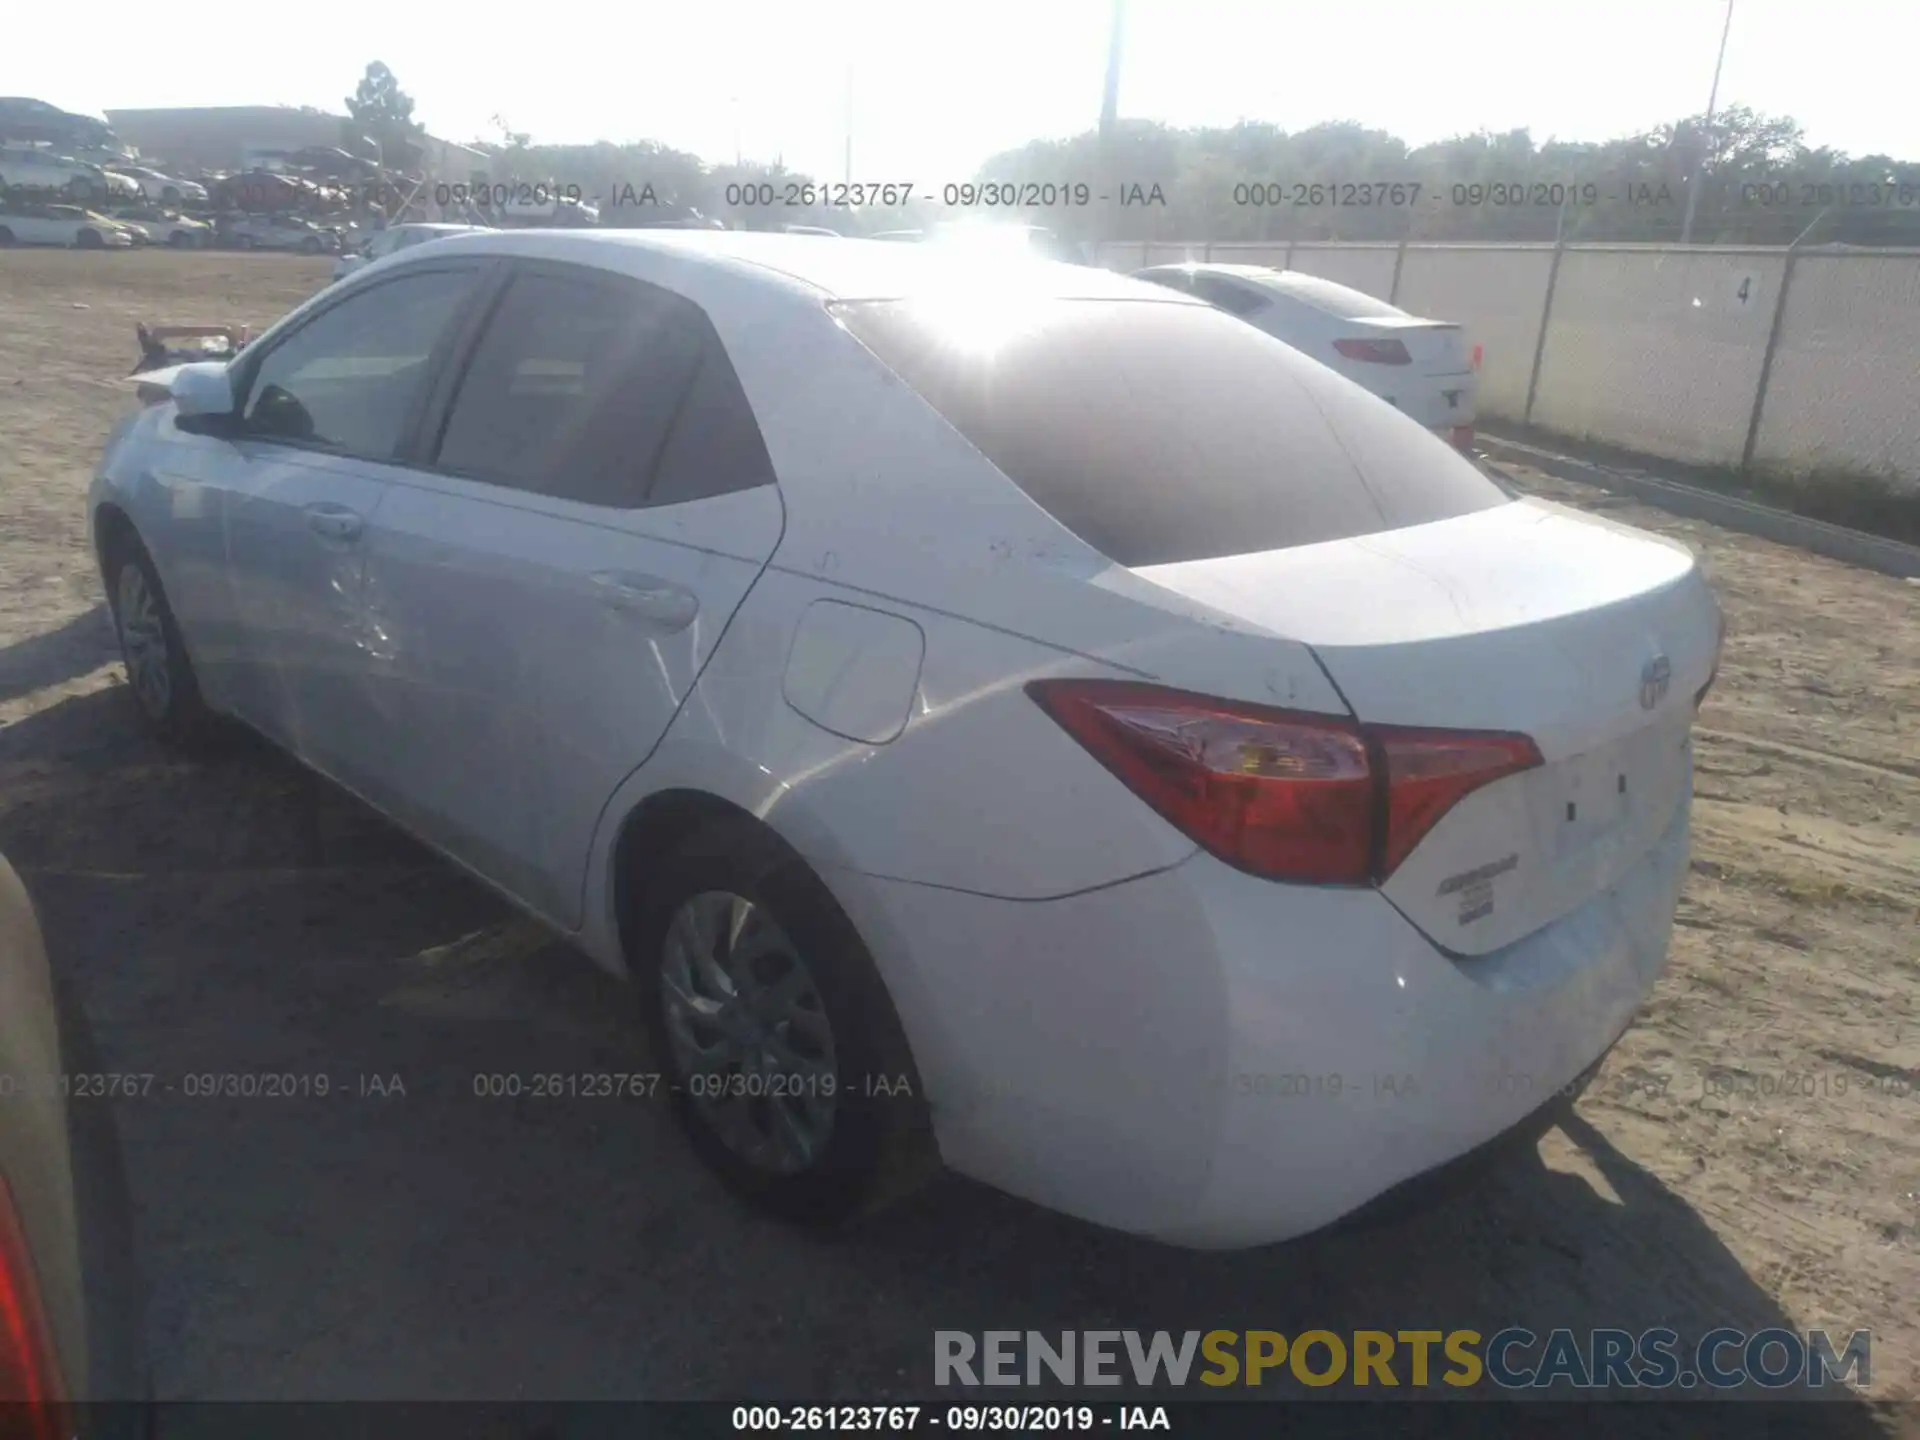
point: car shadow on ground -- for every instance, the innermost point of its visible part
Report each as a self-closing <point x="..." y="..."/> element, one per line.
<point x="77" y="648"/>
<point x="341" y="1198"/>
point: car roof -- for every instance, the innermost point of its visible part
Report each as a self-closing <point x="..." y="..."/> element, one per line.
<point x="852" y="270"/>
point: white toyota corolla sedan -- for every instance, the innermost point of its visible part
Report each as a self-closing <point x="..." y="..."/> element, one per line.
<point x="1422" y="367"/>
<point x="999" y="713"/>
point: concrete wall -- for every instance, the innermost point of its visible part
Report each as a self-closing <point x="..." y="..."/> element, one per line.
<point x="1657" y="350"/>
<point x="1499" y="295"/>
<point x="1367" y="268"/>
<point x="1661" y="349"/>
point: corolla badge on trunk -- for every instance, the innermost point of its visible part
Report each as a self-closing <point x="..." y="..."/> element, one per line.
<point x="1655" y="676"/>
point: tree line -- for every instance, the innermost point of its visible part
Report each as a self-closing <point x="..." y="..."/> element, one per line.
<point x="1760" y="184"/>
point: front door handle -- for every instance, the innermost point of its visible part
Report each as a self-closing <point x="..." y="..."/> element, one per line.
<point x="647" y="598"/>
<point x="334" y="522"/>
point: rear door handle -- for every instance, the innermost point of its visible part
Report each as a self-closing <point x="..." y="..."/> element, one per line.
<point x="334" y="522"/>
<point x="648" y="598"/>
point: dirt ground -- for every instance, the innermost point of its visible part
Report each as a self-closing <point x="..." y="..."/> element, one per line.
<point x="1750" y="1156"/>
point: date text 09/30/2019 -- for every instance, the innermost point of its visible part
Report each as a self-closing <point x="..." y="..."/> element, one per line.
<point x="962" y="1419"/>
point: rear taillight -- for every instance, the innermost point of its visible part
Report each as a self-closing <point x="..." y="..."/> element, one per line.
<point x="1279" y="793"/>
<point x="29" y="1371"/>
<point x="1431" y="771"/>
<point x="1476" y="357"/>
<point x="1374" y="352"/>
<point x="1461" y="437"/>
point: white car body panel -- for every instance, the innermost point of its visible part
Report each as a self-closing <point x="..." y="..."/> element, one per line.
<point x="545" y="632"/>
<point x="1091" y="1000"/>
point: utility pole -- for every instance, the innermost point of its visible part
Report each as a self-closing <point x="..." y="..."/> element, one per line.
<point x="1706" y="133"/>
<point x="1109" y="114"/>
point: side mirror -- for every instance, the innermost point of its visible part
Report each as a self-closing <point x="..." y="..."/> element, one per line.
<point x="203" y="399"/>
<point x="202" y="390"/>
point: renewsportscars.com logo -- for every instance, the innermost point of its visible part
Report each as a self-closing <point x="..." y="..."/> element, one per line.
<point x="1514" y="1358"/>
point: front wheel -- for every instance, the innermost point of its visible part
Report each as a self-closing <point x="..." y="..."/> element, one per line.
<point x="80" y="188"/>
<point x="311" y="246"/>
<point x="790" y="1072"/>
<point x="89" y="240"/>
<point x="158" y="671"/>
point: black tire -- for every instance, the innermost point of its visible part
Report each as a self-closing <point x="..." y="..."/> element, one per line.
<point x="175" y="712"/>
<point x="80" y="188"/>
<point x="880" y="1147"/>
<point x="181" y="240"/>
<point x="311" y="246"/>
<point x="245" y="242"/>
<point x="6" y="236"/>
<point x="89" y="240"/>
<point x="171" y="195"/>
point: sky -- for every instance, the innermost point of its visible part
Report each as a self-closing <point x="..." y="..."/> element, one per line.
<point x="936" y="88"/>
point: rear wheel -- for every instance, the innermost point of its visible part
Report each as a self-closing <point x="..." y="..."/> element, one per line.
<point x="180" y="240"/>
<point x="158" y="671"/>
<point x="791" y="1075"/>
<point x="245" y="242"/>
<point x="311" y="246"/>
<point x="6" y="236"/>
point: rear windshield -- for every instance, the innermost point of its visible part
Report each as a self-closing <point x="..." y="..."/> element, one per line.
<point x="1336" y="300"/>
<point x="1163" y="432"/>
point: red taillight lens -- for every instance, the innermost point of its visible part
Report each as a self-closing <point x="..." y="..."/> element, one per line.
<point x="1374" y="352"/>
<point x="29" y="1372"/>
<point x="1284" y="795"/>
<point x="1430" y="771"/>
<point x="1477" y="354"/>
<point x="1462" y="437"/>
<point x="1279" y="793"/>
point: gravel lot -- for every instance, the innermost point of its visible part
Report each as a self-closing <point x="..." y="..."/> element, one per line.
<point x="1750" y="1157"/>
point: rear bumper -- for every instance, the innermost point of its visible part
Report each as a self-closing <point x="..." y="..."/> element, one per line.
<point x="1217" y="1061"/>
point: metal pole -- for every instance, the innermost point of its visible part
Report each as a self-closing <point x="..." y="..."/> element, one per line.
<point x="1109" y="119"/>
<point x="1540" y="341"/>
<point x="1766" y="358"/>
<point x="1706" y="133"/>
<point x="1399" y="260"/>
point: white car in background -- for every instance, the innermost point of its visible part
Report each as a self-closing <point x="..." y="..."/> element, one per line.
<point x="998" y="712"/>
<point x="1421" y="367"/>
<point x="158" y="226"/>
<point x="29" y="224"/>
<point x="392" y="240"/>
<point x="163" y="189"/>
<point x="38" y="168"/>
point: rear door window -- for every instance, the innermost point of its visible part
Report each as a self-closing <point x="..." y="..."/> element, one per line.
<point x="605" y="391"/>
<point x="1163" y="432"/>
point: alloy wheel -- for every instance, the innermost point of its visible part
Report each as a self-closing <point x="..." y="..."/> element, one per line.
<point x="143" y="641"/>
<point x="749" y="1032"/>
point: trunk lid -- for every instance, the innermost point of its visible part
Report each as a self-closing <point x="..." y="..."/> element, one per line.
<point x="1436" y="386"/>
<point x="1589" y="637"/>
<point x="1437" y="346"/>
